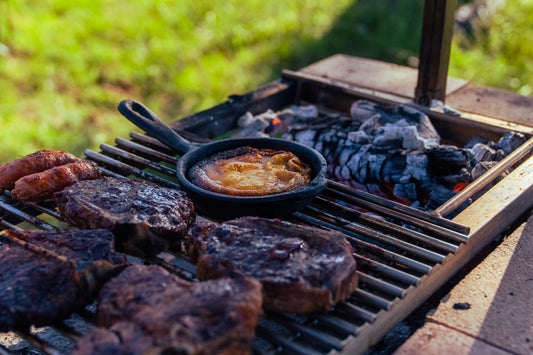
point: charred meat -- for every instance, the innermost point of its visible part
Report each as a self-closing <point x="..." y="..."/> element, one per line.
<point x="122" y="338"/>
<point x="81" y="247"/>
<point x="144" y="217"/>
<point x="42" y="185"/>
<point x="302" y="269"/>
<point x="42" y="286"/>
<point x="180" y="317"/>
<point x="32" y="163"/>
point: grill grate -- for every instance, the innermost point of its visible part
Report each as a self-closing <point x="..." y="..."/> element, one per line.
<point x="392" y="257"/>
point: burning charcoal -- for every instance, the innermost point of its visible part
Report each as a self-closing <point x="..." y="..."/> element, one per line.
<point x="388" y="145"/>
<point x="510" y="141"/>
<point x="398" y="116"/>
<point x="251" y="126"/>
<point x="416" y="168"/>
<point x="481" y="168"/>
<point x="302" y="112"/>
<point x="476" y="140"/>
<point x="405" y="191"/>
<point x="358" y="137"/>
<point x="483" y="152"/>
<point x="441" y="194"/>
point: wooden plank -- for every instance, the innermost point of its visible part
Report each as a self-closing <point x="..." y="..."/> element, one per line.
<point x="372" y="74"/>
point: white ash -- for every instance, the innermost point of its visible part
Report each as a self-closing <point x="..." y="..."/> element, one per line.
<point x="482" y="168"/>
<point x="483" y="152"/>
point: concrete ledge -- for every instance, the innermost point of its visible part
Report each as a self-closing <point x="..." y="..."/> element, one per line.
<point x="491" y="309"/>
<point x="436" y="339"/>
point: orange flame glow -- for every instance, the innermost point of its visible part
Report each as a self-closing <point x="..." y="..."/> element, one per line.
<point x="459" y="187"/>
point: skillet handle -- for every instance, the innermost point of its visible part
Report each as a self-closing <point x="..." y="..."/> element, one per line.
<point x="146" y="120"/>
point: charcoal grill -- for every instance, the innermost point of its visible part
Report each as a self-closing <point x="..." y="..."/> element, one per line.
<point x="399" y="267"/>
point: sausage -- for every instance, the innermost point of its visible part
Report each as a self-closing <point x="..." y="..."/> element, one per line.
<point x="33" y="163"/>
<point x="42" y="185"/>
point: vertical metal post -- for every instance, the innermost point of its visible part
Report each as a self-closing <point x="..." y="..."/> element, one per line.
<point x="435" y="44"/>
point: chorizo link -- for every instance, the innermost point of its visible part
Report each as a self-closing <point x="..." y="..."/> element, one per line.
<point x="42" y="185"/>
<point x="32" y="163"/>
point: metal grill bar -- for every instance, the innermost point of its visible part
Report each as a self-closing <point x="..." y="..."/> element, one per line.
<point x="370" y="205"/>
<point x="23" y="216"/>
<point x="367" y="247"/>
<point x="382" y="224"/>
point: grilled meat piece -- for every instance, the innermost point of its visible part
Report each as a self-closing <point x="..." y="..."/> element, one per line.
<point x="81" y="247"/>
<point x="181" y="317"/>
<point x="122" y="338"/>
<point x="40" y="286"/>
<point x="144" y="217"/>
<point x="302" y="269"/>
<point x="32" y="163"/>
<point x="42" y="185"/>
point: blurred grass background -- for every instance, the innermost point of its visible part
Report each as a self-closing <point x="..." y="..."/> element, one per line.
<point x="64" y="65"/>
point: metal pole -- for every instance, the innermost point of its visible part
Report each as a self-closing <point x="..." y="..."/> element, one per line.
<point x="434" y="55"/>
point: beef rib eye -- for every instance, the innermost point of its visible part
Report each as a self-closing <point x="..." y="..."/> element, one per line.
<point x="145" y="218"/>
<point x="302" y="269"/>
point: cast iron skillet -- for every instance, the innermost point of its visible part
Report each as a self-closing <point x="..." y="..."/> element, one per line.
<point x="227" y="206"/>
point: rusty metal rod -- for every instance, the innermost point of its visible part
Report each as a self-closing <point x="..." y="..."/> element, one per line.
<point x="137" y="159"/>
<point x="385" y="225"/>
<point x="354" y="311"/>
<point x="281" y="341"/>
<point x="398" y="207"/>
<point x="356" y="230"/>
<point x="129" y="169"/>
<point x="336" y="323"/>
<point x="369" y="248"/>
<point x="381" y="285"/>
<point x="325" y="339"/>
<point x="478" y="184"/>
<point x="157" y="155"/>
<point x="435" y="229"/>
<point x="39" y="223"/>
<point x="370" y="298"/>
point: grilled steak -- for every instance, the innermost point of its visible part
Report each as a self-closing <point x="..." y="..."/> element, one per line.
<point x="144" y="217"/>
<point x="42" y="185"/>
<point x="41" y="286"/>
<point x="302" y="269"/>
<point x="81" y="247"/>
<point x="122" y="338"/>
<point x="32" y="163"/>
<point x="181" y="317"/>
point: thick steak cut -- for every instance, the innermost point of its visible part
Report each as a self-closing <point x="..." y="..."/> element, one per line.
<point x="144" y="217"/>
<point x="42" y="281"/>
<point x="302" y="269"/>
<point x="81" y="247"/>
<point x="181" y="317"/>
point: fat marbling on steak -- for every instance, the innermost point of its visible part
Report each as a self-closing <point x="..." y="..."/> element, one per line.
<point x="47" y="275"/>
<point x="165" y="314"/>
<point x="302" y="269"/>
<point x="144" y="217"/>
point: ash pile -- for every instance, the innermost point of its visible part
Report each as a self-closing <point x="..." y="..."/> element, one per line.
<point x="393" y="151"/>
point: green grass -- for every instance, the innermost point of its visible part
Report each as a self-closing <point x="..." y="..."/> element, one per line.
<point x="64" y="65"/>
